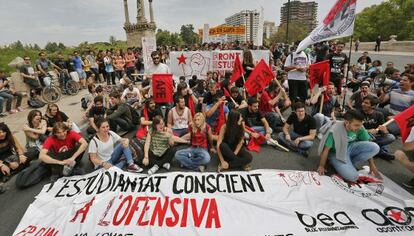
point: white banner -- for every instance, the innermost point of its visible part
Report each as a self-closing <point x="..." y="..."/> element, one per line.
<point x="261" y="202"/>
<point x="337" y="24"/>
<point x="189" y="63"/>
<point x="149" y="44"/>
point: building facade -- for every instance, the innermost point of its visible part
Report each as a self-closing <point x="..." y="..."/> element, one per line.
<point x="269" y="29"/>
<point x="249" y="18"/>
<point x="304" y="12"/>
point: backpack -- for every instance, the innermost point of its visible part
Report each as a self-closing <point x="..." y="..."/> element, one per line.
<point x="84" y="103"/>
<point x="35" y="103"/>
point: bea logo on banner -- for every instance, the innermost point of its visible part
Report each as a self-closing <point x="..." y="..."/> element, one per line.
<point x="391" y="219"/>
<point x="322" y="222"/>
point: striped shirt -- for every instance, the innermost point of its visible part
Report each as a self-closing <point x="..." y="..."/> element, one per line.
<point x="159" y="142"/>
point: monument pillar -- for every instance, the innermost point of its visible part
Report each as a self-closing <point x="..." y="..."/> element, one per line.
<point x="151" y="11"/>
<point x="141" y="12"/>
<point x="126" y="12"/>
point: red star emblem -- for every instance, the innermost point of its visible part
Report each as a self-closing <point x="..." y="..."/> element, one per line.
<point x="181" y="59"/>
<point x="396" y="215"/>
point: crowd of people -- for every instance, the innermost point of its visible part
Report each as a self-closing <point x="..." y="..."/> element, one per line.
<point x="211" y="117"/>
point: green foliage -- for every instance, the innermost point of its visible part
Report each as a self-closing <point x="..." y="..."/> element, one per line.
<point x="392" y="17"/>
<point x="188" y="35"/>
<point x="297" y="32"/>
<point x="164" y="37"/>
<point x="112" y="40"/>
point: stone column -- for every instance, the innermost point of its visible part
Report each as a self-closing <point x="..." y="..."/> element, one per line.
<point x="151" y="11"/>
<point x="141" y="12"/>
<point x="126" y="12"/>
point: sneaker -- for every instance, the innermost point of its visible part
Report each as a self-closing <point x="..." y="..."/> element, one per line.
<point x="167" y="166"/>
<point x="54" y="178"/>
<point x="386" y="156"/>
<point x="13" y="111"/>
<point x="20" y="109"/>
<point x="409" y="184"/>
<point x="202" y="168"/>
<point x="134" y="168"/>
<point x="153" y="170"/>
<point x="67" y="169"/>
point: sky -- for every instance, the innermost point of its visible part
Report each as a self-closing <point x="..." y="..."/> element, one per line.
<point x="74" y="21"/>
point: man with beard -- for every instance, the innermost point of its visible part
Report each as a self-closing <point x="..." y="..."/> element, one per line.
<point x="132" y="96"/>
<point x="373" y="124"/>
<point x="179" y="117"/>
<point x="355" y="101"/>
<point x="97" y="111"/>
<point x="339" y="66"/>
<point x="147" y="115"/>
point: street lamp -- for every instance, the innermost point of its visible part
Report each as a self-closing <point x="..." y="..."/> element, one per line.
<point x="287" y="22"/>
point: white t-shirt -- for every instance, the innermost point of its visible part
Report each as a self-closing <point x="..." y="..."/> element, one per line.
<point x="104" y="150"/>
<point x="299" y="59"/>
<point x="161" y="68"/>
<point x="134" y="94"/>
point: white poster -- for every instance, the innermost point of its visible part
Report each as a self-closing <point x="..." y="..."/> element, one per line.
<point x="255" y="203"/>
<point x="149" y="44"/>
<point x="189" y="63"/>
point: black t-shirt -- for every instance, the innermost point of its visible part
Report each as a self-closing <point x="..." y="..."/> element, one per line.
<point x="238" y="100"/>
<point x="251" y="118"/>
<point x="321" y="51"/>
<point x="372" y="121"/>
<point x="70" y="65"/>
<point x="301" y="127"/>
<point x="337" y="62"/>
<point x="97" y="113"/>
<point x="152" y="114"/>
<point x="61" y="64"/>
<point x="208" y="98"/>
<point x="51" y="121"/>
<point x="192" y="83"/>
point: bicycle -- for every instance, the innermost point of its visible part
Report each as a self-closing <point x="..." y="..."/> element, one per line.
<point x="51" y="93"/>
<point x="71" y="87"/>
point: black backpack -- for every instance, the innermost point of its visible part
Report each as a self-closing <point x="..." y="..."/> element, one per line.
<point x="84" y="103"/>
<point x="35" y="103"/>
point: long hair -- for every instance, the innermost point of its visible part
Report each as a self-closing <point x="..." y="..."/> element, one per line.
<point x="9" y="136"/>
<point x="155" y="121"/>
<point x="32" y="115"/>
<point x="203" y="122"/>
<point x="58" y="116"/>
<point x="234" y="132"/>
<point x="248" y="58"/>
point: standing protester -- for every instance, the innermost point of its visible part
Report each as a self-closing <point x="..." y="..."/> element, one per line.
<point x="357" y="42"/>
<point x="130" y="63"/>
<point x="296" y="65"/>
<point x="339" y="66"/>
<point x="78" y="64"/>
<point x="201" y="139"/>
<point x="231" y="148"/>
<point x="346" y="145"/>
<point x="109" y="69"/>
<point x="378" y="43"/>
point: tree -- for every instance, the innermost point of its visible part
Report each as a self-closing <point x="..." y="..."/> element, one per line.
<point x="18" y="45"/>
<point x="61" y="46"/>
<point x="112" y="40"/>
<point x="163" y="37"/>
<point x="297" y="31"/>
<point x="51" y="47"/>
<point x="36" y="47"/>
<point x="188" y="35"/>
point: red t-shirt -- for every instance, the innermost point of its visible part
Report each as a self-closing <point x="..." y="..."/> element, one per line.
<point x="200" y="138"/>
<point x="58" y="145"/>
<point x="264" y="106"/>
<point x="130" y="57"/>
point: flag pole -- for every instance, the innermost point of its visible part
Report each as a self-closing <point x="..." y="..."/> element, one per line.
<point x="349" y="66"/>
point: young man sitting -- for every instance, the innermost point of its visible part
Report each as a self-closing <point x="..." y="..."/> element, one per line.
<point x="346" y="144"/>
<point x="119" y="114"/>
<point x="179" y="117"/>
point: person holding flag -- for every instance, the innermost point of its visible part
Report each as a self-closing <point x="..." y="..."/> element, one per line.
<point x="400" y="155"/>
<point x="330" y="105"/>
<point x="216" y="114"/>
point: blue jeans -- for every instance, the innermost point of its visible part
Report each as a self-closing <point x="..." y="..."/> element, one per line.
<point x="383" y="141"/>
<point x="302" y="147"/>
<point x="320" y="120"/>
<point x="357" y="154"/>
<point x="180" y="132"/>
<point x="1" y="104"/>
<point x="116" y="157"/>
<point x="259" y="129"/>
<point x="193" y="157"/>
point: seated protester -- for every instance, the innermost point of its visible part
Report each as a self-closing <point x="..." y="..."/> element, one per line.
<point x="346" y="144"/>
<point x="193" y="81"/>
<point x="201" y="138"/>
<point x="12" y="155"/>
<point x="408" y="145"/>
<point x="231" y="150"/>
<point x="188" y="95"/>
<point x="330" y="103"/>
<point x="255" y="120"/>
<point x="8" y="93"/>
<point x="355" y="101"/>
<point x="62" y="151"/>
<point x="200" y="91"/>
<point x="269" y="103"/>
<point x="44" y="65"/>
<point x="179" y="117"/>
<point x="35" y="131"/>
<point x="63" y="73"/>
<point x="400" y="99"/>
<point x="158" y="151"/>
<point x="30" y="78"/>
<point x="148" y="113"/>
<point x="54" y="115"/>
<point x="373" y="121"/>
<point x="212" y="91"/>
<point x="216" y="114"/>
<point x="119" y="114"/>
<point x="304" y="130"/>
<point x="107" y="148"/>
<point x="97" y="112"/>
<point x="132" y="96"/>
<point x="87" y="100"/>
<point x="236" y="101"/>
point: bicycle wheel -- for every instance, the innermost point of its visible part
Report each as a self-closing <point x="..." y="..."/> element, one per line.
<point x="51" y="94"/>
<point x="72" y="88"/>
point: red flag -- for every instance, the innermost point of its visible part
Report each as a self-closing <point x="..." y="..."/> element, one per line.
<point x="238" y="70"/>
<point x="221" y="119"/>
<point x="191" y="105"/>
<point x="259" y="78"/>
<point x="142" y="131"/>
<point x="319" y="73"/>
<point x="226" y="92"/>
<point x="255" y="143"/>
<point x="405" y="120"/>
<point x="162" y="87"/>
